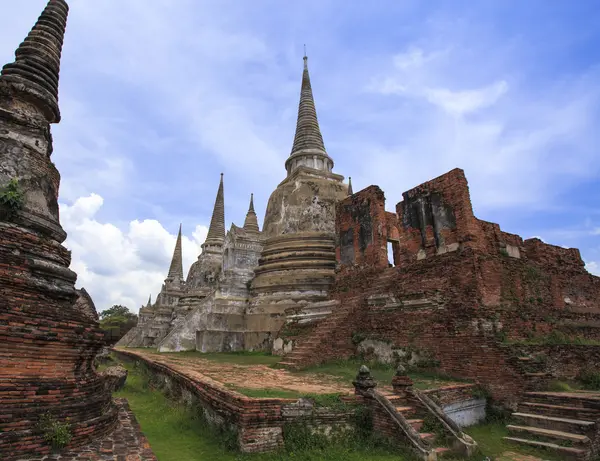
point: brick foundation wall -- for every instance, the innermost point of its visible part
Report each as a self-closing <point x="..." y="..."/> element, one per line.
<point x="260" y="423"/>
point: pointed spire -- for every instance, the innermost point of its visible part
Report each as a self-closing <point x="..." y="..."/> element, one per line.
<point x="350" y="192"/>
<point x="176" y="269"/>
<point x="251" y="223"/>
<point x="37" y="63"/>
<point x="216" y="231"/>
<point x="149" y="301"/>
<point x="308" y="134"/>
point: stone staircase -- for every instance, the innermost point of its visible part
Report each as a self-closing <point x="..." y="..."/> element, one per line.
<point x="567" y="423"/>
<point x="533" y="369"/>
<point x="310" y="351"/>
<point x="307" y="353"/>
<point x="415" y="417"/>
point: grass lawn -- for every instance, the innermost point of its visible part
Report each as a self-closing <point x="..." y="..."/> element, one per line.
<point x="238" y="358"/>
<point x="346" y="370"/>
<point x="176" y="435"/>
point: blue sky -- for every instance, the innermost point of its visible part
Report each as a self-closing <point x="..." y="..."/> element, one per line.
<point x="160" y="96"/>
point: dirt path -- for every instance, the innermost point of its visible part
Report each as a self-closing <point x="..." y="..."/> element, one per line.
<point x="248" y="376"/>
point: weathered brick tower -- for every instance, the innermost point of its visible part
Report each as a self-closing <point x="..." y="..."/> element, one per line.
<point x="47" y="343"/>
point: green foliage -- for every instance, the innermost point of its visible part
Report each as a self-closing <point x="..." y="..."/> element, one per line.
<point x="480" y="393"/>
<point x="117" y="321"/>
<point x="345" y="371"/>
<point x="556" y="337"/>
<point x="590" y="380"/>
<point x="490" y="438"/>
<point x="532" y="273"/>
<point x="559" y="386"/>
<point x="176" y="433"/>
<point x="56" y="434"/>
<point x="116" y="311"/>
<point x="265" y="393"/>
<point x="12" y="198"/>
<point x="503" y="251"/>
<point x="358" y="337"/>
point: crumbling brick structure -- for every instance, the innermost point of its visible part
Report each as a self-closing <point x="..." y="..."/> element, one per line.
<point x="48" y="339"/>
<point x="462" y="292"/>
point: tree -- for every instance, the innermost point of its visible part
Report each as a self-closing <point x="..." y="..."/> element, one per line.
<point x="117" y="321"/>
<point x="116" y="310"/>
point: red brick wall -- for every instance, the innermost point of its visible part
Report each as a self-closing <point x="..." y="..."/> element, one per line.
<point x="442" y="203"/>
<point x="47" y="350"/>
<point x="259" y="422"/>
<point x="362" y="229"/>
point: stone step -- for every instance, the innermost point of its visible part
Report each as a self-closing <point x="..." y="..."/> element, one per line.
<point x="427" y="436"/>
<point x="555" y="423"/>
<point x="288" y="364"/>
<point x="565" y="452"/>
<point x="550" y="434"/>
<point x="417" y="424"/>
<point x="571" y="399"/>
<point x="405" y="410"/>
<point x="442" y="452"/>
<point x="564" y="411"/>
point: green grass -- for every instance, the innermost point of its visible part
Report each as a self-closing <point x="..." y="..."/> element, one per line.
<point x="346" y="370"/>
<point x="239" y="358"/>
<point x="489" y="437"/>
<point x="265" y="393"/>
<point x="176" y="434"/>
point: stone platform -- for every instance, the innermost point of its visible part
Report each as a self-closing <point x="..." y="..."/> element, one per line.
<point x="125" y="443"/>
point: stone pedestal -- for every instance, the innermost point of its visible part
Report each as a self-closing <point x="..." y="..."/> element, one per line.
<point x="364" y="382"/>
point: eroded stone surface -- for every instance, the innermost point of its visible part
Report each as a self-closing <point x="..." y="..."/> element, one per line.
<point x="126" y="442"/>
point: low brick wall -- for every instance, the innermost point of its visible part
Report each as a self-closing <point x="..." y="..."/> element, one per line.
<point x="259" y="422"/>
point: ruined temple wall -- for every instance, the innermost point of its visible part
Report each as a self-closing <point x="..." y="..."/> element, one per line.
<point x="362" y="224"/>
<point x="437" y="216"/>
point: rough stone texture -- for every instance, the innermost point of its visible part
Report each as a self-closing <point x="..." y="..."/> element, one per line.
<point x="462" y="288"/>
<point x="85" y="304"/>
<point x="126" y="442"/>
<point x="114" y="377"/>
<point x="48" y="340"/>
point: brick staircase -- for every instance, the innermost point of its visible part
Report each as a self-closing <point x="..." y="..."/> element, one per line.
<point x="567" y="423"/>
<point x="415" y="417"/>
<point x="309" y="352"/>
<point x="533" y="369"/>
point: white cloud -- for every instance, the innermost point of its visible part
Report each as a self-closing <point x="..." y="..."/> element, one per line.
<point x="121" y="267"/>
<point x="593" y="267"/>
<point x="510" y="137"/>
<point x="464" y="102"/>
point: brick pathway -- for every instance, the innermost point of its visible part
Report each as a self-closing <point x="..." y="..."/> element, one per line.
<point x="126" y="443"/>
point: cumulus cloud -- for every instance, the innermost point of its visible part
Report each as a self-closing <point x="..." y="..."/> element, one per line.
<point x="121" y="266"/>
<point x="593" y="267"/>
<point x="160" y="98"/>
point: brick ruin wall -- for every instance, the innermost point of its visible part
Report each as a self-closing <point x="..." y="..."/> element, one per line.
<point x="46" y="361"/>
<point x="260" y="423"/>
<point x="461" y="289"/>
